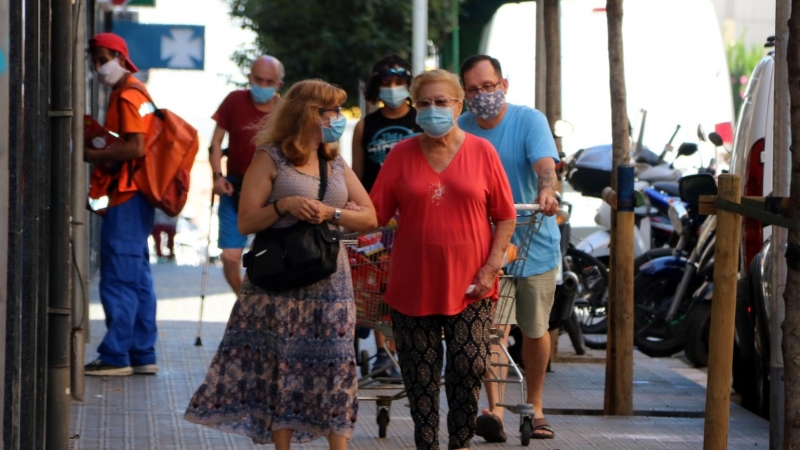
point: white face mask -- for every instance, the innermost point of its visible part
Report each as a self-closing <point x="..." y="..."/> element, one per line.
<point x="110" y="73"/>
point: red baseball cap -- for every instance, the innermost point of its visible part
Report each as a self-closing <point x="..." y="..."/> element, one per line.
<point x="114" y="43"/>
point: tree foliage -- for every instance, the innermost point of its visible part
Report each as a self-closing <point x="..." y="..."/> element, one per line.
<point x="335" y="40"/>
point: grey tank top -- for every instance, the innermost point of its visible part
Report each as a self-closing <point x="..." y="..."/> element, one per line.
<point x="290" y="182"/>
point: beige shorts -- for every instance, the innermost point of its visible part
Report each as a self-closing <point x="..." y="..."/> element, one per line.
<point x="527" y="302"/>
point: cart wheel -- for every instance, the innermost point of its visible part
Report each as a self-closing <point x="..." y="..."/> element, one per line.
<point x="526" y="431"/>
<point x="364" y="363"/>
<point x="383" y="422"/>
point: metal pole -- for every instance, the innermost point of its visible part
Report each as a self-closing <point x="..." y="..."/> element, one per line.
<point x="43" y="183"/>
<point x="723" y="316"/>
<point x="80" y="269"/>
<point x="781" y="175"/>
<point x="59" y="302"/>
<point x="455" y="37"/>
<point x="12" y="388"/>
<point x="541" y="60"/>
<point x="419" y="42"/>
<point x="5" y="139"/>
<point x="31" y="263"/>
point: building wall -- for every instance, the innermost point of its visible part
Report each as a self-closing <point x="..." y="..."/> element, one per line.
<point x="754" y="18"/>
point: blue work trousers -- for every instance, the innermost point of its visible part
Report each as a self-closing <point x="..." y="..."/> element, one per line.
<point x="126" y="285"/>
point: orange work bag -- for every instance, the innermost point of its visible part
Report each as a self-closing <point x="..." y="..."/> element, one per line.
<point x="170" y="148"/>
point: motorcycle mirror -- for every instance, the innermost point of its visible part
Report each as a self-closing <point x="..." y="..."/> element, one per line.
<point x="687" y="149"/>
<point x="701" y="133"/>
<point x="562" y="128"/>
<point x="691" y="187"/>
<point x="715" y="138"/>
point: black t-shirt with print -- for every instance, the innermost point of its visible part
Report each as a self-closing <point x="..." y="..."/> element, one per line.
<point x="380" y="135"/>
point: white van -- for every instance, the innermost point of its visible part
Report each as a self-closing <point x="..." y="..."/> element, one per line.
<point x="675" y="68"/>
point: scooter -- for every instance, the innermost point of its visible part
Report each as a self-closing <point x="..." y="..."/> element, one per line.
<point x="653" y="227"/>
<point x="665" y="287"/>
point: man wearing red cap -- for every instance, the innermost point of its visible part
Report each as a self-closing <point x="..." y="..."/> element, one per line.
<point x="126" y="285"/>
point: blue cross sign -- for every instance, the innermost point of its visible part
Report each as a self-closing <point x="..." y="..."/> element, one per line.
<point x="155" y="46"/>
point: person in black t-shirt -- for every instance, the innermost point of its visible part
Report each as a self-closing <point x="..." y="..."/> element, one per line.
<point x="374" y="137"/>
<point x="376" y="134"/>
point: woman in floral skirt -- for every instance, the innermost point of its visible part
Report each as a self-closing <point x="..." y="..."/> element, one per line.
<point x="286" y="368"/>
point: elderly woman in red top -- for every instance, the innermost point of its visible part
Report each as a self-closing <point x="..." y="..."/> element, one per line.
<point x="449" y="186"/>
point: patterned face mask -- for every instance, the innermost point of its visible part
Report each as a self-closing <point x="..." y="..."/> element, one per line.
<point x="487" y="105"/>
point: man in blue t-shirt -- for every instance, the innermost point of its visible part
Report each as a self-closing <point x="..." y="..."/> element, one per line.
<point x="525" y="144"/>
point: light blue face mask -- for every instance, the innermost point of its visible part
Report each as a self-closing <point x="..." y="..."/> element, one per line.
<point x="435" y="121"/>
<point x="394" y="96"/>
<point x="335" y="131"/>
<point x="262" y="94"/>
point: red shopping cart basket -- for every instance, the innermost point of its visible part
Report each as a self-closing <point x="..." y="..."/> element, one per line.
<point x="370" y="257"/>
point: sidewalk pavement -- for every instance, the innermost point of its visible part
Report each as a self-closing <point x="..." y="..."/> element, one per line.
<point x="146" y="412"/>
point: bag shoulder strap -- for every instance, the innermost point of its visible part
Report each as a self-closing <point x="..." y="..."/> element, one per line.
<point x="140" y="89"/>
<point x="323" y="174"/>
<point x="158" y="113"/>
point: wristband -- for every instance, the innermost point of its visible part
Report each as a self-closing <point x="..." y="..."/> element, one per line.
<point x="275" y="205"/>
<point x="218" y="175"/>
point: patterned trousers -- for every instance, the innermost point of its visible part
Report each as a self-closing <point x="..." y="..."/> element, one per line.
<point x="419" y="346"/>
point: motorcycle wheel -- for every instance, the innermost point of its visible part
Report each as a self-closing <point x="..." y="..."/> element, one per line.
<point x="573" y="328"/>
<point x="652" y="297"/>
<point x="592" y="296"/>
<point x="695" y="343"/>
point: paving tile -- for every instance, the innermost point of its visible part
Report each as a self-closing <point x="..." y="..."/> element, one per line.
<point x="146" y="412"/>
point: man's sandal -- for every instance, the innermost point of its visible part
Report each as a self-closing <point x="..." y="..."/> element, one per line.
<point x="490" y="427"/>
<point x="542" y="425"/>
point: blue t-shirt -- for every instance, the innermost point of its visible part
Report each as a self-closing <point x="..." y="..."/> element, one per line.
<point x="522" y="138"/>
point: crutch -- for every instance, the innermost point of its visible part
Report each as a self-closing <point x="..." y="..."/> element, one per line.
<point x="199" y="341"/>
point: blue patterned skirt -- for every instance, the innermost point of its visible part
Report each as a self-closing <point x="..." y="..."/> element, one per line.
<point x="286" y="361"/>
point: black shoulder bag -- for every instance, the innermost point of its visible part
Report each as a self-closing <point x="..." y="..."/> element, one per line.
<point x="295" y="256"/>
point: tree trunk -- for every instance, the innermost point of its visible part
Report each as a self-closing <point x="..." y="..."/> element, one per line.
<point x="552" y="39"/>
<point x="621" y="155"/>
<point x="552" y="33"/>
<point x="619" y="107"/>
<point x="791" y="323"/>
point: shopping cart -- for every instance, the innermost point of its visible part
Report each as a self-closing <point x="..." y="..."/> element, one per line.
<point x="370" y="257"/>
<point x="370" y="260"/>
<point x="503" y="370"/>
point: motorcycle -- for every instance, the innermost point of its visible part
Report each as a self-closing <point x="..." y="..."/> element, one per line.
<point x="653" y="227"/>
<point x="589" y="172"/>
<point x="665" y="287"/>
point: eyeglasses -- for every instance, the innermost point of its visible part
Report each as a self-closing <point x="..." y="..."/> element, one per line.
<point x="487" y="87"/>
<point x="393" y="72"/>
<point x="441" y="102"/>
